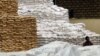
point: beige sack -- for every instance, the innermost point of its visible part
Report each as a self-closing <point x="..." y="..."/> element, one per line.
<point x="17" y="33"/>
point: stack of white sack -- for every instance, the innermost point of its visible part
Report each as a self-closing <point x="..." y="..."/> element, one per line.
<point x="52" y="21"/>
<point x="32" y="2"/>
<point x="44" y="11"/>
<point x="58" y="48"/>
<point x="62" y="29"/>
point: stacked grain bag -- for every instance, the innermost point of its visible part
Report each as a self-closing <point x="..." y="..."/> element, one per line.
<point x="53" y="22"/>
<point x="17" y="33"/>
<point x="9" y="6"/>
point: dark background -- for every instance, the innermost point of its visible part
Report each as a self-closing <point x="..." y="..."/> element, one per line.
<point x="81" y="8"/>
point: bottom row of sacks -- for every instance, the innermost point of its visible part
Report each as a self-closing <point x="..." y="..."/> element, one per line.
<point x="58" y="48"/>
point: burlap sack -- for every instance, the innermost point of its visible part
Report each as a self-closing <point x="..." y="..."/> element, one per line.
<point x="9" y="6"/>
<point x="17" y="33"/>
